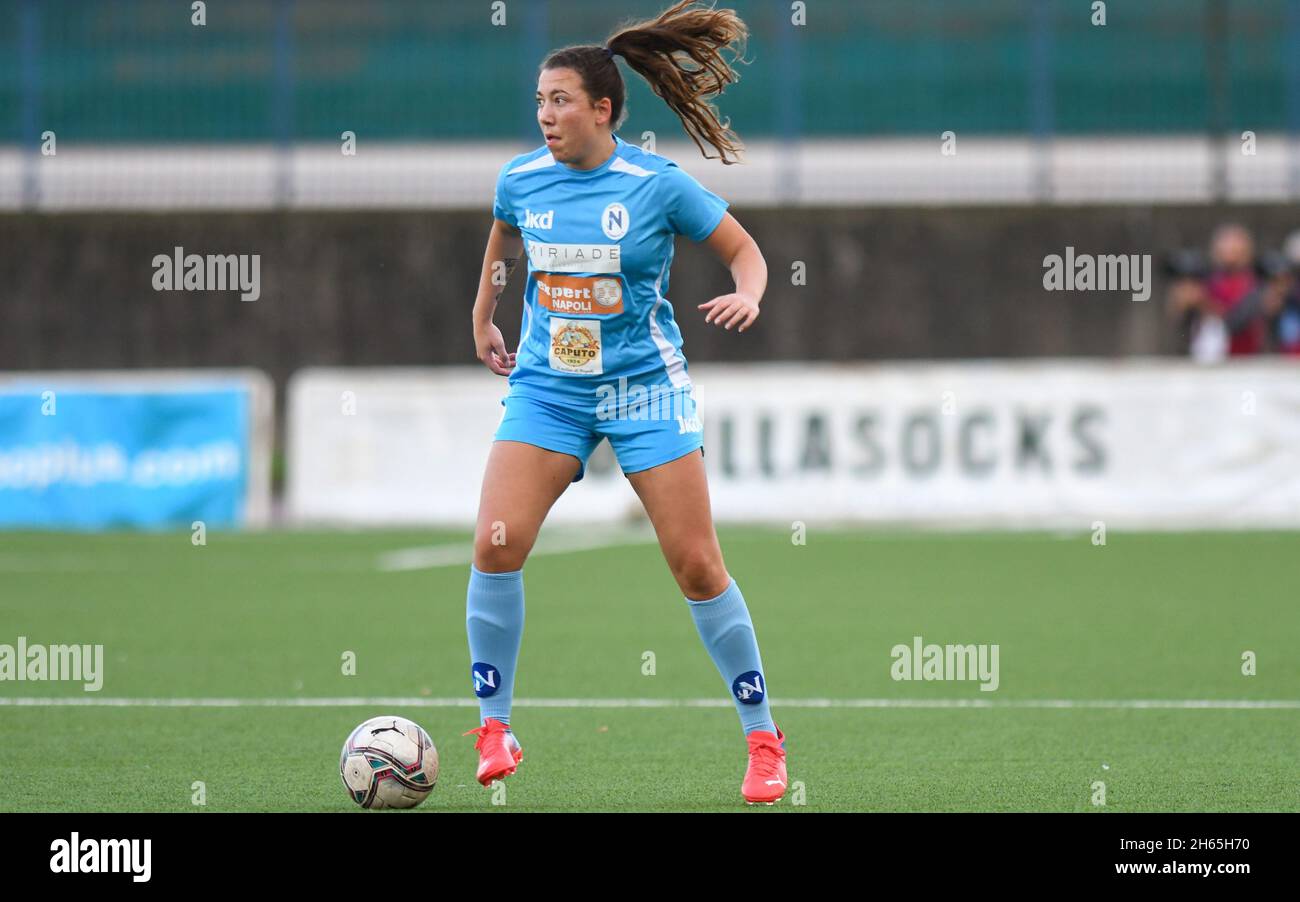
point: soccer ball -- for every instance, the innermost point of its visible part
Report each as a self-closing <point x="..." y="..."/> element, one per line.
<point x="388" y="762"/>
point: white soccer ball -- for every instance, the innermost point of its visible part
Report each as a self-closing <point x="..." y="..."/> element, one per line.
<point x="389" y="762"/>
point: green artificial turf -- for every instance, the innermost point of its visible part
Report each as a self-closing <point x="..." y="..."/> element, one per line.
<point x="270" y="616"/>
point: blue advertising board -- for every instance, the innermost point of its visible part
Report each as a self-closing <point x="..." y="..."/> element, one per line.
<point x="84" y="457"/>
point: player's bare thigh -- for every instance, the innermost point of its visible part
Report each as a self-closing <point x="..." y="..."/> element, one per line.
<point x="520" y="485"/>
<point x="676" y="498"/>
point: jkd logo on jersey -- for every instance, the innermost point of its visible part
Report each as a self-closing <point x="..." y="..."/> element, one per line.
<point x="579" y="294"/>
<point x="600" y="258"/>
<point x="539" y="220"/>
<point x="748" y="688"/>
<point x="487" y="679"/>
<point x="575" y="346"/>
<point x="615" y="221"/>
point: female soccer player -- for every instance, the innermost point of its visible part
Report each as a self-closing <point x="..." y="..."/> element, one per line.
<point x="598" y="216"/>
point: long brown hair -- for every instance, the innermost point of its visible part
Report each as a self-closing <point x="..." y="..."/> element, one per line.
<point x="660" y="50"/>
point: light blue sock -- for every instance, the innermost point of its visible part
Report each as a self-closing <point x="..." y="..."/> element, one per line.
<point x="728" y="634"/>
<point x="494" y="619"/>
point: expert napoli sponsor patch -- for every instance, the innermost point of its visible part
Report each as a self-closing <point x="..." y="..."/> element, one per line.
<point x="591" y="295"/>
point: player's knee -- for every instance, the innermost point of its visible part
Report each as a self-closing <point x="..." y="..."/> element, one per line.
<point x="701" y="574"/>
<point x="498" y="557"/>
<point x="498" y="560"/>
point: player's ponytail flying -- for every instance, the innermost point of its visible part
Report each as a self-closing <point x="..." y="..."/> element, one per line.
<point x="679" y="53"/>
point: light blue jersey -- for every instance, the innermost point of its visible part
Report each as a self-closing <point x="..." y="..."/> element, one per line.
<point x="599" y="246"/>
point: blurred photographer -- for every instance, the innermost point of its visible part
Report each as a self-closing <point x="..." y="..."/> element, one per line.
<point x="1221" y="307"/>
<point x="1286" y="318"/>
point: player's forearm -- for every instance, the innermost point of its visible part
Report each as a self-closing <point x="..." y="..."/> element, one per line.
<point x="749" y="270"/>
<point x="503" y="251"/>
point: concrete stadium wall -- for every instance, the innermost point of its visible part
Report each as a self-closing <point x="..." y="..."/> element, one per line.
<point x="397" y="288"/>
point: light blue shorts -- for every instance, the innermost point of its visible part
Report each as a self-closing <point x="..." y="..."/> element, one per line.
<point x="644" y="431"/>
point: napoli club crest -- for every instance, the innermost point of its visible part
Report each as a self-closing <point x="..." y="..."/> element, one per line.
<point x="748" y="688"/>
<point x="615" y="221"/>
<point x="487" y="679"/>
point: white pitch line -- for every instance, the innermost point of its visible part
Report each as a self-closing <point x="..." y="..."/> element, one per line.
<point x="427" y="557"/>
<point x="397" y="702"/>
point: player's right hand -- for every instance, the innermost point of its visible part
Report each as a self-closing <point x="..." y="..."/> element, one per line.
<point x="491" y="349"/>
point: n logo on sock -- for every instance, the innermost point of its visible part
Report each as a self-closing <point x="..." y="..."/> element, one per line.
<point x="487" y="679"/>
<point x="748" y="688"/>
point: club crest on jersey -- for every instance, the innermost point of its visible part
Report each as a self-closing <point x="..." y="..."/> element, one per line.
<point x="615" y="221"/>
<point x="487" y="679"/>
<point x="748" y="688"/>
<point x="539" y="220"/>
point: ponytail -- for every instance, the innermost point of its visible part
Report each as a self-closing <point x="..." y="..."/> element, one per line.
<point x="679" y="54"/>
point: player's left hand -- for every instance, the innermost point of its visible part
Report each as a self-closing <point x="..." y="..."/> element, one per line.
<point x="729" y="310"/>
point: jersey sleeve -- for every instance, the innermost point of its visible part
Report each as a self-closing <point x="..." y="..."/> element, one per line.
<point x="501" y="206"/>
<point x="693" y="210"/>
